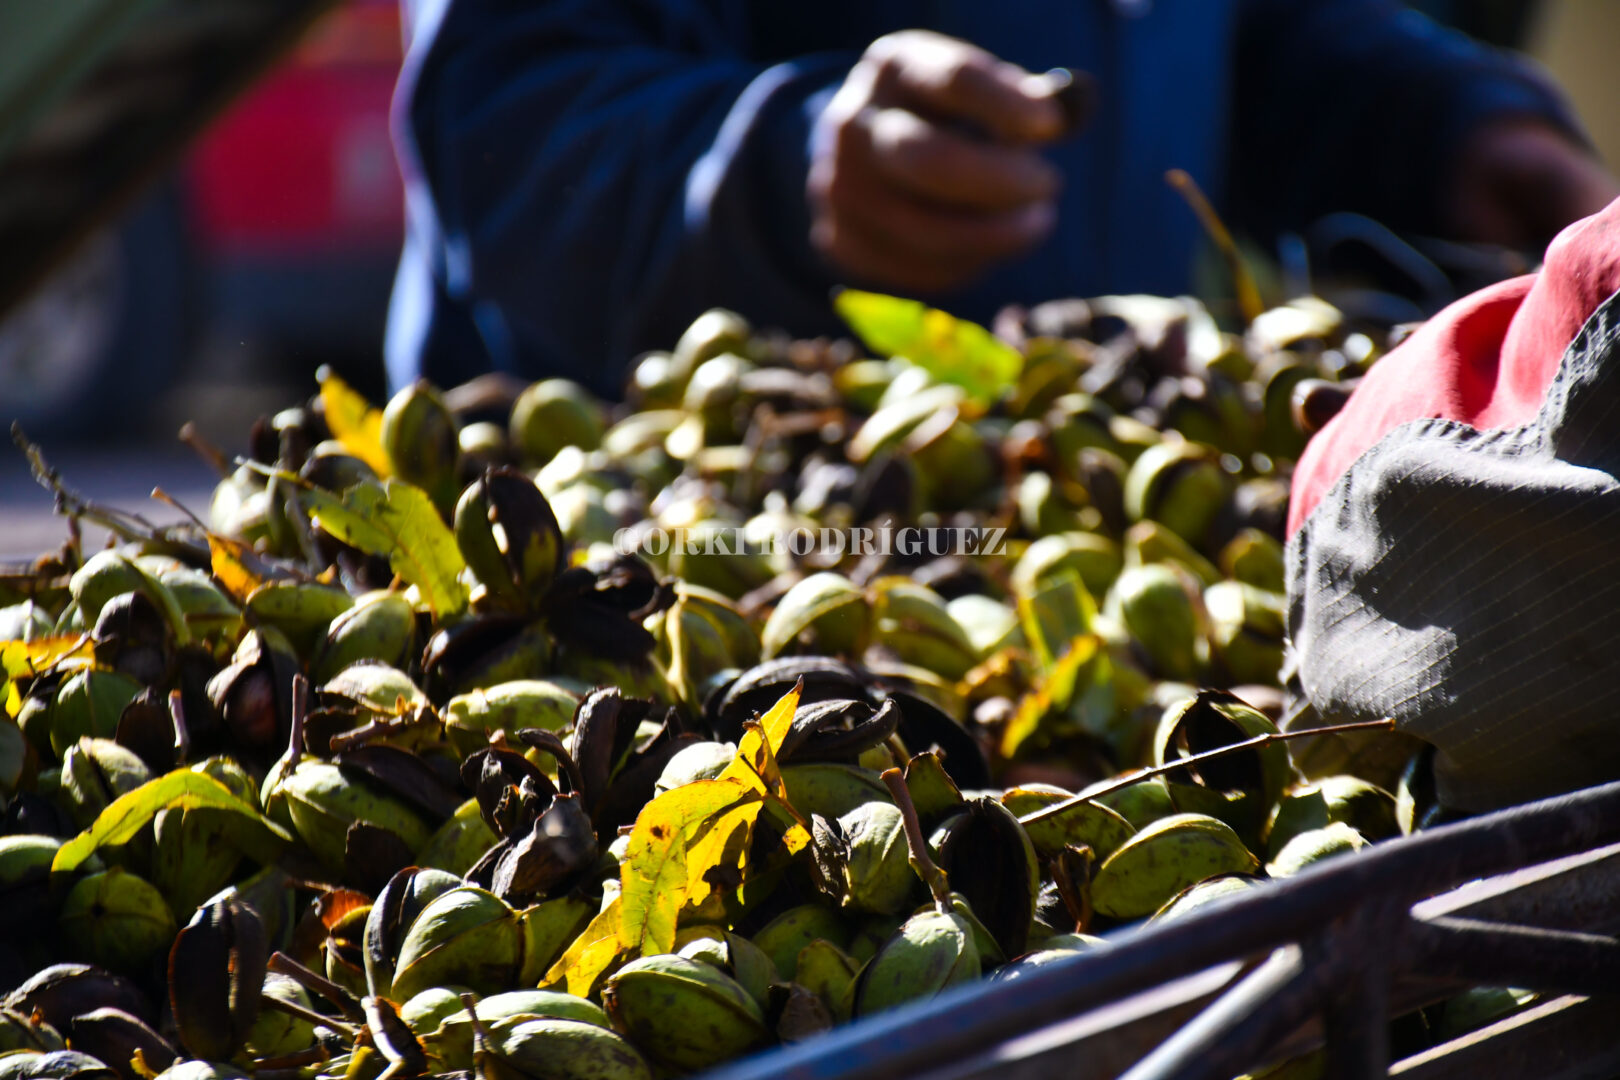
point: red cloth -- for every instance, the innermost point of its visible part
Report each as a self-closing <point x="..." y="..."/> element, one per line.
<point x="1486" y="360"/>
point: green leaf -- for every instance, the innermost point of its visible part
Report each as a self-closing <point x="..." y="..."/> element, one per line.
<point x="181" y="789"/>
<point x="654" y="874"/>
<point x="398" y="520"/>
<point x="1057" y="611"/>
<point x="953" y="350"/>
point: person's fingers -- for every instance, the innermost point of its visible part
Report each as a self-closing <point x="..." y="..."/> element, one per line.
<point x="928" y="230"/>
<point x="869" y="260"/>
<point x="949" y="168"/>
<point x="943" y="77"/>
<point x="874" y="232"/>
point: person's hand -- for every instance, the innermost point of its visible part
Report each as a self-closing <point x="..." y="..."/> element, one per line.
<point x="1520" y="181"/>
<point x="924" y="172"/>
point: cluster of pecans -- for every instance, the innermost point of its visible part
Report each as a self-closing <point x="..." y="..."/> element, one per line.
<point x="413" y="755"/>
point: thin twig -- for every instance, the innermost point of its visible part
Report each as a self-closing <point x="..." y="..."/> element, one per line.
<point x="292" y="1008"/>
<point x="315" y="1055"/>
<point x="1248" y="294"/>
<point x="164" y="497"/>
<point x="1265" y="739"/>
<point x="71" y="504"/>
<point x="315" y="983"/>
<point x="205" y="449"/>
<point x="925" y="867"/>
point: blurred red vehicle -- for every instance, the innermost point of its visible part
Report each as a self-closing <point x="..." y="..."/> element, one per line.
<point x="280" y="229"/>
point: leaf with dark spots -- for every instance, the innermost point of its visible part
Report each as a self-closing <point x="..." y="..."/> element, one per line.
<point x="635" y="784"/>
<point x="372" y="855"/>
<point x="406" y="776"/>
<point x="991" y="862"/>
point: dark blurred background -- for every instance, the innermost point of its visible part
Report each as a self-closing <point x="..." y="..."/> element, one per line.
<point x="269" y="248"/>
<point x="267" y="251"/>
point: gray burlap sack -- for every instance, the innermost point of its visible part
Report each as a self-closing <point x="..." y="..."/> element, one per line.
<point x="1467" y="584"/>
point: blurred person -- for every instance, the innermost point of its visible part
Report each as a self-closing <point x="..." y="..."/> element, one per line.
<point x="585" y="176"/>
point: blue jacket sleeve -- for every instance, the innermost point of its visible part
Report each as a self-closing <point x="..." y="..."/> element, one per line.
<point x="595" y="166"/>
<point x="1362" y="105"/>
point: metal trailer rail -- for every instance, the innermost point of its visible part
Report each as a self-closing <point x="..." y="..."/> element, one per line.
<point x="1325" y="957"/>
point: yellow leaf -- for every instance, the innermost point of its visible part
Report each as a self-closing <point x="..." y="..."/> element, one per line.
<point x="755" y="763"/>
<point x="715" y="860"/>
<point x="396" y="520"/>
<point x="796" y="839"/>
<point x="25" y="659"/>
<point x="654" y="873"/>
<point x="229" y="561"/>
<point x="1053" y="692"/>
<point x="1057" y="611"/>
<point x="354" y="421"/>
<point x="591" y="954"/>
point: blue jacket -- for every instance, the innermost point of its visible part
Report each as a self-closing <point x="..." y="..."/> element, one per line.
<point x="585" y="176"/>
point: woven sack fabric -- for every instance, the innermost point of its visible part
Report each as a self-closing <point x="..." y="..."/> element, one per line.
<point x="1467" y="584"/>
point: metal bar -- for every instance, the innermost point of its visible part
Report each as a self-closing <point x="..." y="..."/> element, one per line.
<point x="1102" y="1043"/>
<point x="1501" y="954"/>
<point x="1575" y="892"/>
<point x="1355" y="1014"/>
<point x="1229" y="1036"/>
<point x="1568" y="1038"/>
<point x="968" y="1020"/>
